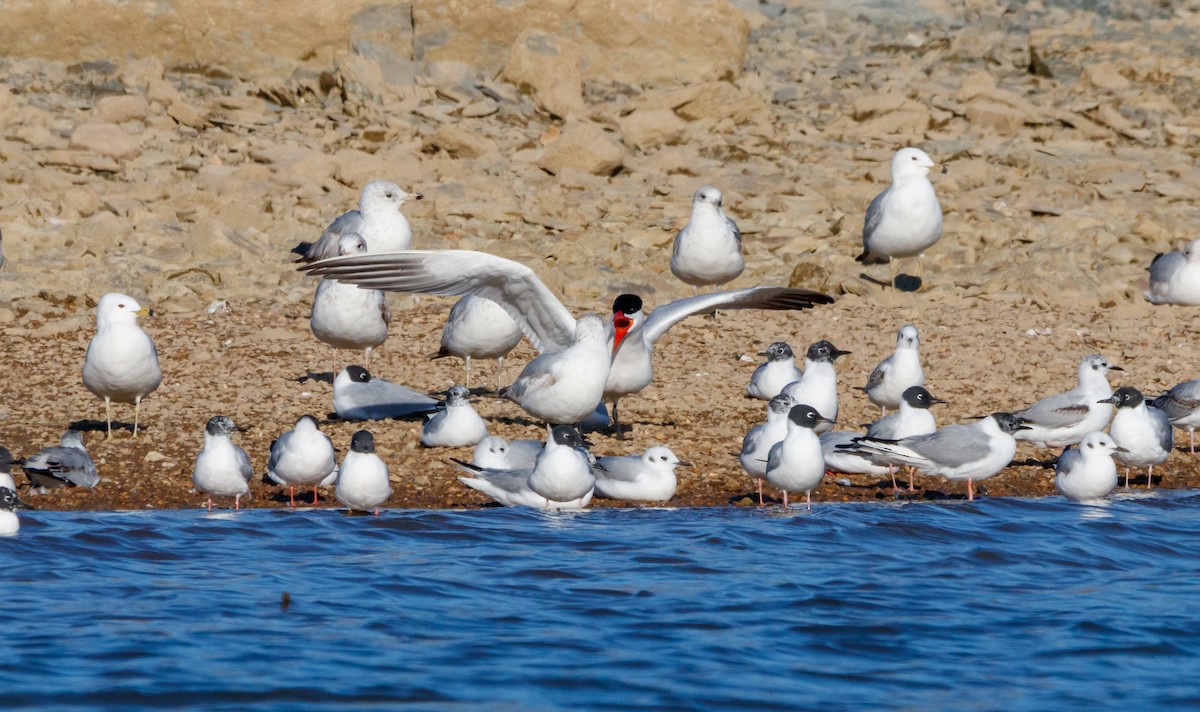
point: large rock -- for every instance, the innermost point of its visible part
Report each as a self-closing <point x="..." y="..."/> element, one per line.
<point x="548" y="65"/>
<point x="630" y="41"/>
<point x="583" y="146"/>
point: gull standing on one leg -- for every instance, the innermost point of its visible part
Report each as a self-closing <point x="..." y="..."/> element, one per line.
<point x="121" y="363"/>
<point x="905" y="219"/>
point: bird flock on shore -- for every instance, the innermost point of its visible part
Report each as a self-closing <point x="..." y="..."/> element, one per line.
<point x="587" y="362"/>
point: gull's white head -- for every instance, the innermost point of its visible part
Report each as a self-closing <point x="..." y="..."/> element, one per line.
<point x="707" y="195"/>
<point x="660" y="456"/>
<point x="116" y="308"/>
<point x="910" y="162"/>
<point x="382" y="194"/>
<point x="1192" y="250"/>
<point x="351" y="244"/>
<point x="1095" y="366"/>
<point x="907" y="337"/>
<point x="491" y="453"/>
<point x="1098" y="443"/>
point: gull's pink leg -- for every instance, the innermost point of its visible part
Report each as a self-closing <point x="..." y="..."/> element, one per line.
<point x="377" y="511"/>
<point x="912" y="471"/>
<point x="970" y="490"/>
<point x="237" y="502"/>
<point x="785" y="502"/>
<point x="292" y="493"/>
<point x="760" y="499"/>
<point x="314" y="495"/>
<point x="892" y="472"/>
<point x="210" y="504"/>
<point x="1150" y="477"/>
<point x="1126" y="478"/>
<point x="808" y="499"/>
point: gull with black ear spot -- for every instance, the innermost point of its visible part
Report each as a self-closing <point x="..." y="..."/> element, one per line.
<point x="757" y="444"/>
<point x="906" y="219"/>
<point x="1142" y="432"/>
<point x="649" y="477"/>
<point x="795" y="464"/>
<point x="362" y="483"/>
<point x="222" y="467"/>
<point x="818" y="386"/>
<point x="1063" y="419"/>
<point x="1087" y="471"/>
<point x="121" y="363"/>
<point x="301" y="457"/>
<point x="496" y="453"/>
<point x="378" y="219"/>
<point x="708" y="250"/>
<point x="357" y="395"/>
<point x="771" y="377"/>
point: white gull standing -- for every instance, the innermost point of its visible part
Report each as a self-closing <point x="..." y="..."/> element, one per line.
<point x="121" y="363"/>
<point x="757" y="444"/>
<point x="779" y="370"/>
<point x="1175" y="276"/>
<point x="1143" y="432"/>
<point x="378" y="219"/>
<point x="795" y="464"/>
<point x="1087" y="471"/>
<point x="478" y="328"/>
<point x="301" y="457"/>
<point x="348" y="317"/>
<point x="1063" y="419"/>
<point x="913" y="418"/>
<point x="708" y="250"/>
<point x="222" y="467"/>
<point x="906" y="219"/>
<point x="898" y="372"/>
<point x="362" y="483"/>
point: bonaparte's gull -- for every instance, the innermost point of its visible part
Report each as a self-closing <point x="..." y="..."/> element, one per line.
<point x="1063" y="419"/>
<point x="898" y="372"/>
<point x="757" y="444"/>
<point x="67" y="464"/>
<point x="649" y="477"/>
<point x="795" y="464"/>
<point x="818" y="386"/>
<point x="222" y="467"/>
<point x="357" y="395"/>
<point x="1087" y="471"/>
<point x="1143" y="432"/>
<point x="362" y="483"/>
<point x="456" y="425"/>
<point x="301" y="457"/>
<point x="779" y="370"/>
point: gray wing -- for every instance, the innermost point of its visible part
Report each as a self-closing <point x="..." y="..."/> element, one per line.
<point x="1164" y="265"/>
<point x="523" y="453"/>
<point x="1181" y="401"/>
<point x="752" y="439"/>
<point x="871" y="224"/>
<point x="1068" y="461"/>
<point x="1061" y="411"/>
<point x="885" y="427"/>
<point x="542" y="318"/>
<point x="66" y="464"/>
<point x="1162" y="428"/>
<point x="326" y="246"/>
<point x="737" y="233"/>
<point x="876" y="378"/>
<point x="511" y="481"/>
<point x="244" y="466"/>
<point x="952" y="446"/>
<point x="773" y="298"/>
<point x="622" y="468"/>
<point x="775" y="456"/>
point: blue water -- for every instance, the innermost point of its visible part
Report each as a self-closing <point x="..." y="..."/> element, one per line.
<point x="997" y="604"/>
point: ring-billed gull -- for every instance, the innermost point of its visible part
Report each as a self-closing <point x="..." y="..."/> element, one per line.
<point x="362" y="483"/>
<point x="708" y="250"/>
<point x="121" y="363"/>
<point x="1175" y="276"/>
<point x="906" y="219"/>
<point x="649" y="477"/>
<point x="818" y="386"/>
<point x="302" y="456"/>
<point x="779" y="370"/>
<point x="456" y="425"/>
<point x="898" y="372"/>
<point x="1063" y="419"/>
<point x="348" y="317"/>
<point x="1087" y="471"/>
<point x="222" y="467"/>
<point x="1143" y="432"/>
<point x="795" y="464"/>
<point x="67" y="464"/>
<point x="478" y="328"/>
<point x="378" y="219"/>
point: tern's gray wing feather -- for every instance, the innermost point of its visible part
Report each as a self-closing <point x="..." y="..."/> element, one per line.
<point x="326" y="246"/>
<point x="618" y="468"/>
<point x="774" y="298"/>
<point x="952" y="446"/>
<point x="871" y="224"/>
<point x="542" y="317"/>
<point x="1061" y="411"/>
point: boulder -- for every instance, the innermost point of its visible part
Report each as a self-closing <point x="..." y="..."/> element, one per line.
<point x="547" y="65"/>
<point x="583" y="146"/>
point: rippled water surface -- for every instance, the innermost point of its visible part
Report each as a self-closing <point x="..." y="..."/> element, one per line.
<point x="998" y="604"/>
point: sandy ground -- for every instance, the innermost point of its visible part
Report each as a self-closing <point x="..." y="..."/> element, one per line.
<point x="1060" y="189"/>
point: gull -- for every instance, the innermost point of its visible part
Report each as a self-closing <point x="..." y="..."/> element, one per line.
<point x="905" y="219"/>
<point x="300" y="457"/>
<point x="779" y="370"/>
<point x="362" y="483"/>
<point x="708" y="250"/>
<point x="561" y="478"/>
<point x="496" y="453"/>
<point x="67" y="464"/>
<point x="457" y="425"/>
<point x="837" y="449"/>
<point x="1175" y="276"/>
<point x="1143" y="433"/>
<point x="357" y="395"/>
<point x="957" y="452"/>
<point x="347" y="317"/>
<point x="898" y="372"/>
<point x="1182" y="406"/>
<point x="222" y="468"/>
<point x="795" y="464"/>
<point x="378" y="219"/>
<point x="478" y="328"/>
<point x="1060" y="420"/>
<point x="1087" y="471"/>
<point x="649" y="477"/>
<point x="567" y="381"/>
<point x="817" y="387"/>
<point x="121" y="363"/>
<point x="6" y="463"/>
<point x="9" y="504"/>
<point x="913" y="418"/>
<point x="758" y="442"/>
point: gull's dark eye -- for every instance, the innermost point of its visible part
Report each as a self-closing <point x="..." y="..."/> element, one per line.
<point x="1090" y="445"/>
